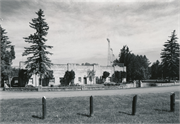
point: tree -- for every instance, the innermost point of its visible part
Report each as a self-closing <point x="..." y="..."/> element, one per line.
<point x="38" y="62"/>
<point x="23" y="77"/>
<point x="170" y="57"/>
<point x="105" y="75"/>
<point x="123" y="74"/>
<point x="142" y="66"/>
<point x="72" y="77"/>
<point x="91" y="74"/>
<point x="156" y="70"/>
<point x="117" y="76"/>
<point x="137" y="67"/>
<point x="126" y="57"/>
<point x="68" y="78"/>
<point x="7" y="55"/>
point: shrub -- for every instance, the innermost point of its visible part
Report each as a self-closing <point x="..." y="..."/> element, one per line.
<point x="105" y="75"/>
<point x="68" y="78"/>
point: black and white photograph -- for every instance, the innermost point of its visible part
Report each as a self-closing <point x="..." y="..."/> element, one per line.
<point x="89" y="61"/>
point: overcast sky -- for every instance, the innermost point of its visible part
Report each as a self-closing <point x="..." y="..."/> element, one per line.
<point x="78" y="30"/>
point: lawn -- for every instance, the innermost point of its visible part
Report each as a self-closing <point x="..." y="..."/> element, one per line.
<point x="151" y="108"/>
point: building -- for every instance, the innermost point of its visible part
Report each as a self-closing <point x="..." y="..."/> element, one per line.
<point x="81" y="73"/>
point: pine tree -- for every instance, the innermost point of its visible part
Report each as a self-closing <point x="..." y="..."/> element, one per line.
<point x="125" y="57"/>
<point x="154" y="70"/>
<point x="137" y="67"/>
<point x="37" y="61"/>
<point x="170" y="57"/>
<point x="7" y="55"/>
<point x="141" y="70"/>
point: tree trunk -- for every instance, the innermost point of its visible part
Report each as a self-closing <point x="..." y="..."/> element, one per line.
<point x="72" y="82"/>
<point x="2" y="82"/>
<point x="9" y="81"/>
<point x="40" y="82"/>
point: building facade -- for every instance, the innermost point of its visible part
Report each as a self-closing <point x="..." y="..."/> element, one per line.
<point x="81" y="73"/>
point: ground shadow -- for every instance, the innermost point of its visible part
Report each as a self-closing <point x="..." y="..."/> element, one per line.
<point x="124" y="113"/>
<point x="35" y="116"/>
<point x="162" y="110"/>
<point x="83" y="114"/>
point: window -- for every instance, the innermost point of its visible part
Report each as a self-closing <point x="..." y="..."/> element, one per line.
<point x="79" y="79"/>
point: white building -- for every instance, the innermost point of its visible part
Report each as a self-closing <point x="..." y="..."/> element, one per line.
<point x="81" y="73"/>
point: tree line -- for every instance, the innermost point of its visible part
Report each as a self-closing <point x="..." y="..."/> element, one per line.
<point x="168" y="68"/>
<point x="138" y="66"/>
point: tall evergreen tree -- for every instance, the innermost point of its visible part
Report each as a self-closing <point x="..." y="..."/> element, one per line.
<point x="125" y="57"/>
<point x="38" y="62"/>
<point x="156" y="70"/>
<point x="7" y="55"/>
<point x="137" y="67"/>
<point x="141" y="67"/>
<point x="170" y="57"/>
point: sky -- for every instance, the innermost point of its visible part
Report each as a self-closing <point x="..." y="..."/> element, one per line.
<point x="78" y="29"/>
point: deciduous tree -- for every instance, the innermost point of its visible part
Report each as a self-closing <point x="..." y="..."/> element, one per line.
<point x="105" y="75"/>
<point x="91" y="75"/>
<point x="68" y="78"/>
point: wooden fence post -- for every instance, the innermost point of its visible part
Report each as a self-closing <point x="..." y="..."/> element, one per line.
<point x="172" y="102"/>
<point x="134" y="105"/>
<point x="43" y="107"/>
<point x="91" y="106"/>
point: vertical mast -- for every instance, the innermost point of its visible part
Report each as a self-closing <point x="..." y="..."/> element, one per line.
<point x="109" y="56"/>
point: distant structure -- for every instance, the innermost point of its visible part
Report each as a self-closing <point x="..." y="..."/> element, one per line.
<point x="81" y="73"/>
<point x="111" y="56"/>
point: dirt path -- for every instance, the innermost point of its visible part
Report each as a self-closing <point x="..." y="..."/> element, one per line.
<point x="22" y="95"/>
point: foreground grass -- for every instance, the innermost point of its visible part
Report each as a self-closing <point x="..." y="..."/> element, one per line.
<point x="151" y="108"/>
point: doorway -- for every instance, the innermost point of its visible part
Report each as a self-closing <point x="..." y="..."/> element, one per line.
<point x="85" y="80"/>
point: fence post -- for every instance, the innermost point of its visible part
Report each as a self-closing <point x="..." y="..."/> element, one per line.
<point x="134" y="105"/>
<point x="91" y="106"/>
<point x="172" y="102"/>
<point x="43" y="107"/>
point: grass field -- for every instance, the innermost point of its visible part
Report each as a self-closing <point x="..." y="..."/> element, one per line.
<point x="151" y="108"/>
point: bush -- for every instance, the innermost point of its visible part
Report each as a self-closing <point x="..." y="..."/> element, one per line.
<point x="105" y="74"/>
<point x="68" y="78"/>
